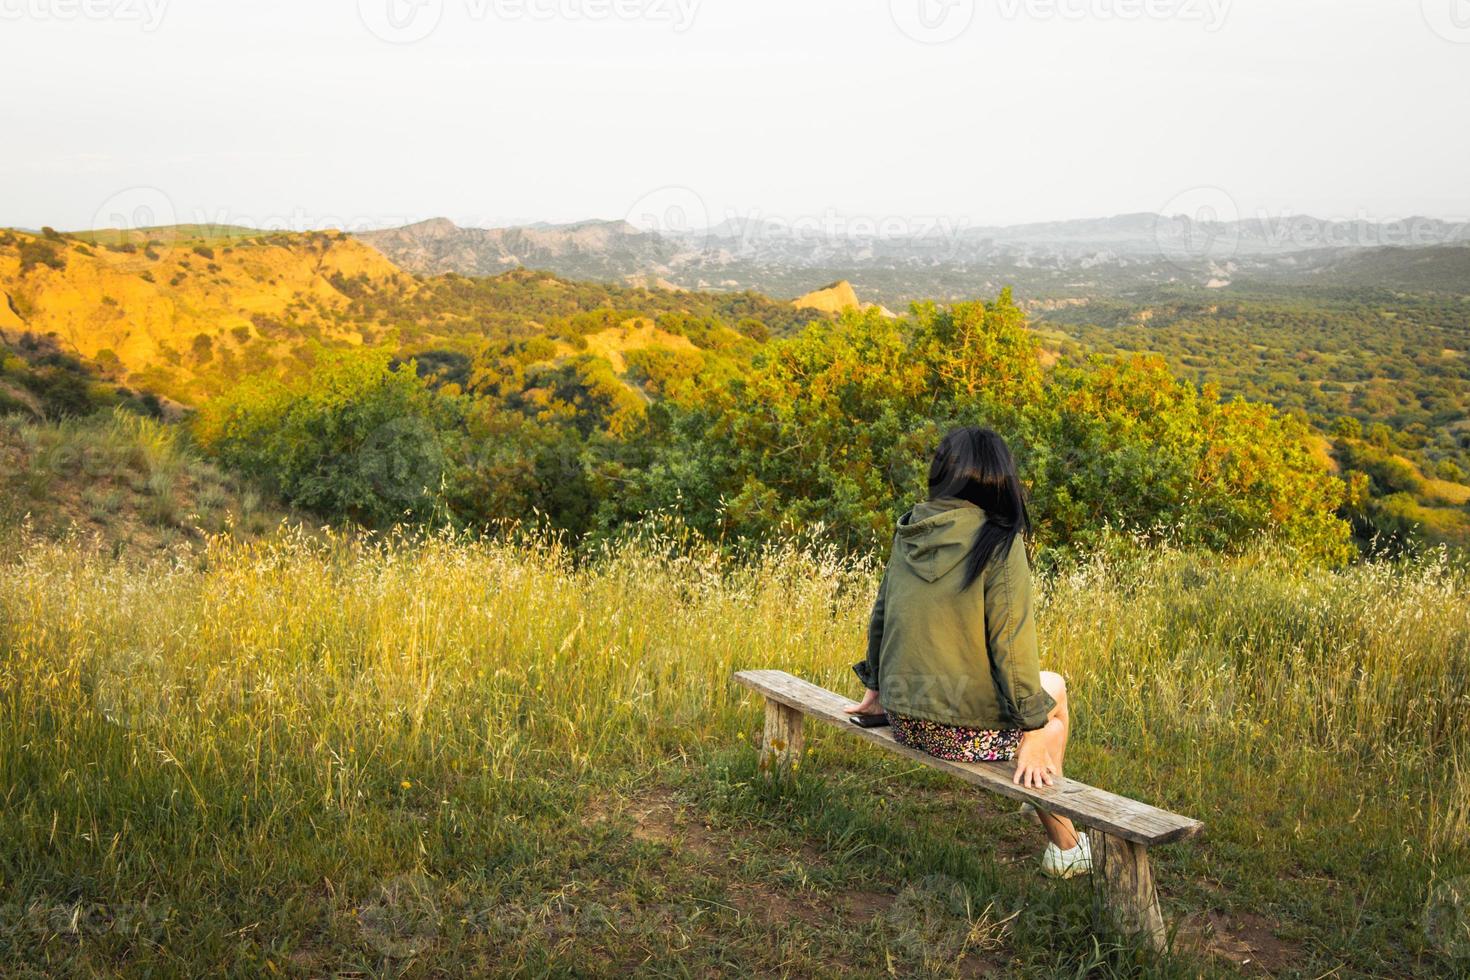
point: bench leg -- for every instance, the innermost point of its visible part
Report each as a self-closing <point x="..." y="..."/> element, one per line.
<point x="1133" y="903"/>
<point x="782" y="740"/>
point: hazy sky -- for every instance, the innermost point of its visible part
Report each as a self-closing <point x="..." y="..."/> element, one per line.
<point x="353" y="113"/>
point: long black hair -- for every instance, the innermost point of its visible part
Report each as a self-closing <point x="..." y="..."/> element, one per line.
<point x="975" y="464"/>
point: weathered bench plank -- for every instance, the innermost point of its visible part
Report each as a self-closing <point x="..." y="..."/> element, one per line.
<point x="1092" y="807"/>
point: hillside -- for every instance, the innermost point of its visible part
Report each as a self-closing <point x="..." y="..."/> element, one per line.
<point x="121" y="485"/>
<point x="608" y="250"/>
<point x="187" y="318"/>
<point x="171" y="318"/>
<point x="833" y="298"/>
<point x="181" y="317"/>
<point x="837" y="297"/>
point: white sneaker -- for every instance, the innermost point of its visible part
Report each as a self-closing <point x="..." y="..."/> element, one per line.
<point x="1057" y="863"/>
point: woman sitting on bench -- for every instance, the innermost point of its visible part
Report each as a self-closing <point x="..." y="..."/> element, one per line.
<point x="952" y="643"/>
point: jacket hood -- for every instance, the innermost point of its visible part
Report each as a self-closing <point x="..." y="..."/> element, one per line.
<point x="936" y="536"/>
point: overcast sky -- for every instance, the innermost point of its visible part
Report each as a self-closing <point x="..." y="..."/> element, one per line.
<point x="313" y="113"/>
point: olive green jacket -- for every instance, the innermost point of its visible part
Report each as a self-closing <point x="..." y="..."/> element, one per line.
<point x="937" y="653"/>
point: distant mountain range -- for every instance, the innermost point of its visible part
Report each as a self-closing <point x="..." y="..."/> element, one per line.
<point x="587" y="250"/>
<point x="931" y="260"/>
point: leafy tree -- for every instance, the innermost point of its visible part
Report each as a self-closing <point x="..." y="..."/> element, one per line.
<point x="826" y="434"/>
<point x="515" y="468"/>
<point x="358" y="437"/>
<point x="831" y="431"/>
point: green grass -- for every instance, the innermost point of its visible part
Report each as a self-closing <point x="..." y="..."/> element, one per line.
<point x="311" y="755"/>
<point x="120" y="482"/>
<point x="186" y="233"/>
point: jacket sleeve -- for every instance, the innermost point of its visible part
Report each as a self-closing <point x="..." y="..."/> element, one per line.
<point x="1010" y="632"/>
<point x="867" y="669"/>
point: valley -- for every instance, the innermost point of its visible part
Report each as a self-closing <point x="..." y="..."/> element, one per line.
<point x="1374" y="354"/>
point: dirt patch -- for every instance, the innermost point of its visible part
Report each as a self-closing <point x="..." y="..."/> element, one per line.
<point x="661" y="819"/>
<point x="658" y="817"/>
<point x="774" y="907"/>
<point x="861" y="906"/>
<point x="1243" y="939"/>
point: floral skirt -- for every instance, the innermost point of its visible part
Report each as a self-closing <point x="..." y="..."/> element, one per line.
<point x="955" y="743"/>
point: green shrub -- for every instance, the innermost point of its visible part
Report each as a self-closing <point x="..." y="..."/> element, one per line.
<point x="36" y="252"/>
<point x="831" y="433"/>
<point x="357" y="437"/>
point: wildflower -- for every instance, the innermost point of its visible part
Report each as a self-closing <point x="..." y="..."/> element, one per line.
<point x="406" y="784"/>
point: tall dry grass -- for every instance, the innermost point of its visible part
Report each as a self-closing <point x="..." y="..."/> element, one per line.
<point x="152" y="715"/>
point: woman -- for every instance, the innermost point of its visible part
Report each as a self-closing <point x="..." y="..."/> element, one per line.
<point x="952" y="643"/>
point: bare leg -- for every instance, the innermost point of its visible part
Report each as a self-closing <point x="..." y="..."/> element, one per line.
<point x="1059" y="830"/>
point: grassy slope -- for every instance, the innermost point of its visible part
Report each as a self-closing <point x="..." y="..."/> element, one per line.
<point x="181" y="317"/>
<point x="119" y="483"/>
<point x="315" y="757"/>
<point x="203" y="233"/>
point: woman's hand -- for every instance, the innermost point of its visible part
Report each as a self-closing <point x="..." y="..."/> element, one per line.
<point x="1034" y="764"/>
<point x="868" y="706"/>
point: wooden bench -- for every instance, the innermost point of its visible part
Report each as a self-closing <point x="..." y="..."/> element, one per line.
<point x="1122" y="830"/>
